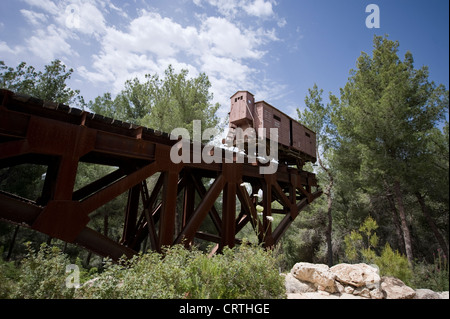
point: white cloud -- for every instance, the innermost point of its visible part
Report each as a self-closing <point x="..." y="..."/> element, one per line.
<point x="93" y="76"/>
<point x="151" y="41"/>
<point x="79" y="16"/>
<point x="150" y="34"/>
<point x="49" y="43"/>
<point x="83" y="17"/>
<point x="148" y="45"/>
<point x="227" y="76"/>
<point x="226" y="39"/>
<point x="57" y="24"/>
<point x="46" y="5"/>
<point x="225" y="47"/>
<point x="226" y="68"/>
<point x="6" y="49"/>
<point x="35" y="18"/>
<point x="259" y="8"/>
<point x="118" y="10"/>
<point x="225" y="7"/>
<point x="281" y="22"/>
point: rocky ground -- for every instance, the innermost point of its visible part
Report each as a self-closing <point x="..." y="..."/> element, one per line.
<point x="348" y="281"/>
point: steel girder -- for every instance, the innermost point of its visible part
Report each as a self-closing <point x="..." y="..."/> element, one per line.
<point x="167" y="212"/>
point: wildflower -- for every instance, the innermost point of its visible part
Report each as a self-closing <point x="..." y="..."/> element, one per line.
<point x="269" y="218"/>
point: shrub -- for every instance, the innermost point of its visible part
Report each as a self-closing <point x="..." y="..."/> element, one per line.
<point x="392" y="263"/>
<point x="432" y="276"/>
<point x="243" y="272"/>
<point x="43" y="275"/>
<point x="361" y="244"/>
<point x="8" y="276"/>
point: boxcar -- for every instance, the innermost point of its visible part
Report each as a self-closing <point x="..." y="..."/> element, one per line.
<point x="295" y="139"/>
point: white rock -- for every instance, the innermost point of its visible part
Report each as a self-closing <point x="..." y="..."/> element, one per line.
<point x="345" y="281"/>
<point x="350" y="296"/>
<point x="312" y="295"/>
<point x="444" y="295"/>
<point x="340" y="287"/>
<point x="324" y="293"/>
<point x="349" y="289"/>
<point x="358" y="275"/>
<point x="426" y="294"/>
<point x="394" y="288"/>
<point x="318" y="274"/>
<point x="318" y="295"/>
<point x="362" y="292"/>
<point x="376" y="294"/>
<point x="293" y="285"/>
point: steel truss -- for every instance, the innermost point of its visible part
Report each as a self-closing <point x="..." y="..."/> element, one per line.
<point x="169" y="210"/>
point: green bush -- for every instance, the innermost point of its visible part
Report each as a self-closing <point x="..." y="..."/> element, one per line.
<point x="8" y="276"/>
<point x="432" y="276"/>
<point x="43" y="275"/>
<point x="243" y="272"/>
<point x="360" y="247"/>
<point x="392" y="263"/>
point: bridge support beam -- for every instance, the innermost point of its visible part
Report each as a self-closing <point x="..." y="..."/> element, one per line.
<point x="167" y="203"/>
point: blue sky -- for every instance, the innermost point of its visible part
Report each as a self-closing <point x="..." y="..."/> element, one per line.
<point x="276" y="49"/>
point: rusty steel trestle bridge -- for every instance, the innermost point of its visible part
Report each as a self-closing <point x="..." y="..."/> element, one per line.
<point x="58" y="137"/>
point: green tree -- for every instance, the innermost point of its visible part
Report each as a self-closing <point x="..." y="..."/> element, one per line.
<point x="429" y="185"/>
<point x="317" y="117"/>
<point x="21" y="79"/>
<point x="134" y="101"/>
<point x="384" y="116"/>
<point x="50" y="85"/>
<point x="104" y="105"/>
<point x="180" y="100"/>
<point x="162" y="103"/>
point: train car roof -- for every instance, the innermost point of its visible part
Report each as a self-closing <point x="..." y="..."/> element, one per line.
<point x="243" y="91"/>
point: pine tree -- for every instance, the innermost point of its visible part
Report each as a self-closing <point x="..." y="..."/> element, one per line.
<point x="384" y="117"/>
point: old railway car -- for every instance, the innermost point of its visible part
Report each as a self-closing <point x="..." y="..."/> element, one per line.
<point x="297" y="143"/>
